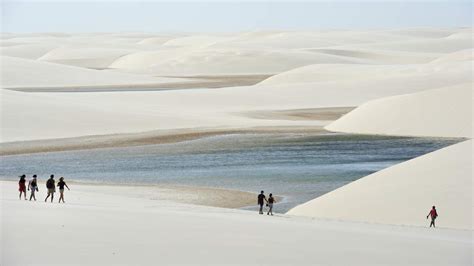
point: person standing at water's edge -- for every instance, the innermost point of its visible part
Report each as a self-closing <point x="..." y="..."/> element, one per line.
<point x="61" y="185"/>
<point x="271" y="200"/>
<point x="261" y="197"/>
<point x="22" y="186"/>
<point x="434" y="214"/>
<point x="51" y="188"/>
<point x="33" y="186"/>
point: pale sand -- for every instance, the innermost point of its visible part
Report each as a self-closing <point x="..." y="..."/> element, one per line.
<point x="445" y="112"/>
<point x="403" y="194"/>
<point x="138" y="139"/>
<point x="106" y="225"/>
<point x="320" y="69"/>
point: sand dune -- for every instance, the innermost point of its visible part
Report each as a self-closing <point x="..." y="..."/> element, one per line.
<point x="17" y="73"/>
<point x="380" y="57"/>
<point x="441" y="45"/>
<point x="194" y="41"/>
<point x="84" y="57"/>
<point x="155" y="40"/>
<point x="317" y="73"/>
<point x="28" y="51"/>
<point x="463" y="55"/>
<point x="403" y="194"/>
<point x="445" y="112"/>
<point x="238" y="61"/>
<point x="144" y="60"/>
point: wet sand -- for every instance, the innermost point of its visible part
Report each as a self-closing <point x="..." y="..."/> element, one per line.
<point x="138" y="139"/>
<point x="195" y="195"/>
<point x="324" y="114"/>
<point x="193" y="82"/>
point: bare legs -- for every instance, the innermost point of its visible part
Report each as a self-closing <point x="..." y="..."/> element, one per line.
<point x="61" y="197"/>
<point x="52" y="196"/>
<point x="32" y="195"/>
<point x="21" y="193"/>
<point x="270" y="211"/>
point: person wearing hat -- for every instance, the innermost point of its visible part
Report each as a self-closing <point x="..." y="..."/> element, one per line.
<point x="61" y="185"/>
<point x="33" y="187"/>
<point x="22" y="186"/>
<point x="51" y="188"/>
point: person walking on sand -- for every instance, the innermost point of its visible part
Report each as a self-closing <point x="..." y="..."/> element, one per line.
<point x="51" y="188"/>
<point x="271" y="200"/>
<point x="22" y="186"/>
<point x="61" y="185"/>
<point x="33" y="186"/>
<point x="434" y="214"/>
<point x="261" y="197"/>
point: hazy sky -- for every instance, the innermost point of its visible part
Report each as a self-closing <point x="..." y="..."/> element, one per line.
<point x="103" y="16"/>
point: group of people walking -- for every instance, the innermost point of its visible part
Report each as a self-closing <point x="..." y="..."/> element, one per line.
<point x="262" y="199"/>
<point x="50" y="186"/>
<point x="269" y="202"/>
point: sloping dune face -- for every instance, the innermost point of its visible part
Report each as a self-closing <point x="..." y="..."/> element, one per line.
<point x="403" y="194"/>
<point x="18" y="73"/>
<point x="84" y="57"/>
<point x="445" y="112"/>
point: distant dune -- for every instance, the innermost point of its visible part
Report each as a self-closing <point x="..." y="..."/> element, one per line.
<point x="445" y="112"/>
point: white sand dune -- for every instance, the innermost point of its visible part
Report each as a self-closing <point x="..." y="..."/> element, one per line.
<point x="155" y="40"/>
<point x="441" y="45"/>
<point x="445" y="112"/>
<point x="426" y="32"/>
<point x="143" y="61"/>
<point x="380" y="57"/>
<point x="275" y="40"/>
<point x="463" y="55"/>
<point x="28" y="51"/>
<point x="194" y="41"/>
<point x="384" y="74"/>
<point x="403" y="194"/>
<point x="238" y="61"/>
<point x="84" y="57"/>
<point x="17" y="73"/>
<point x="106" y="226"/>
<point x="332" y="77"/>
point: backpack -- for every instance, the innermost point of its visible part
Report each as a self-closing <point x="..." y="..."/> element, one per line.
<point x="49" y="184"/>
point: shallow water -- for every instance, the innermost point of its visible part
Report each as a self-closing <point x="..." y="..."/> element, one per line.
<point x="298" y="167"/>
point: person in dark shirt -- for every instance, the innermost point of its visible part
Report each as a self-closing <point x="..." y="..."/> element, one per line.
<point x="61" y="185"/>
<point x="33" y="186"/>
<point x="51" y="188"/>
<point x="22" y="186"/>
<point x="260" y="199"/>
<point x="271" y="200"/>
<point x="434" y="214"/>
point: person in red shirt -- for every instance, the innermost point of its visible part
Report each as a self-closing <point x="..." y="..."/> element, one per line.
<point x="433" y="215"/>
<point x="22" y="185"/>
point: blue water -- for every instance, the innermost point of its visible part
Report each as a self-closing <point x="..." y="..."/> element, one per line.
<point x="298" y="167"/>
